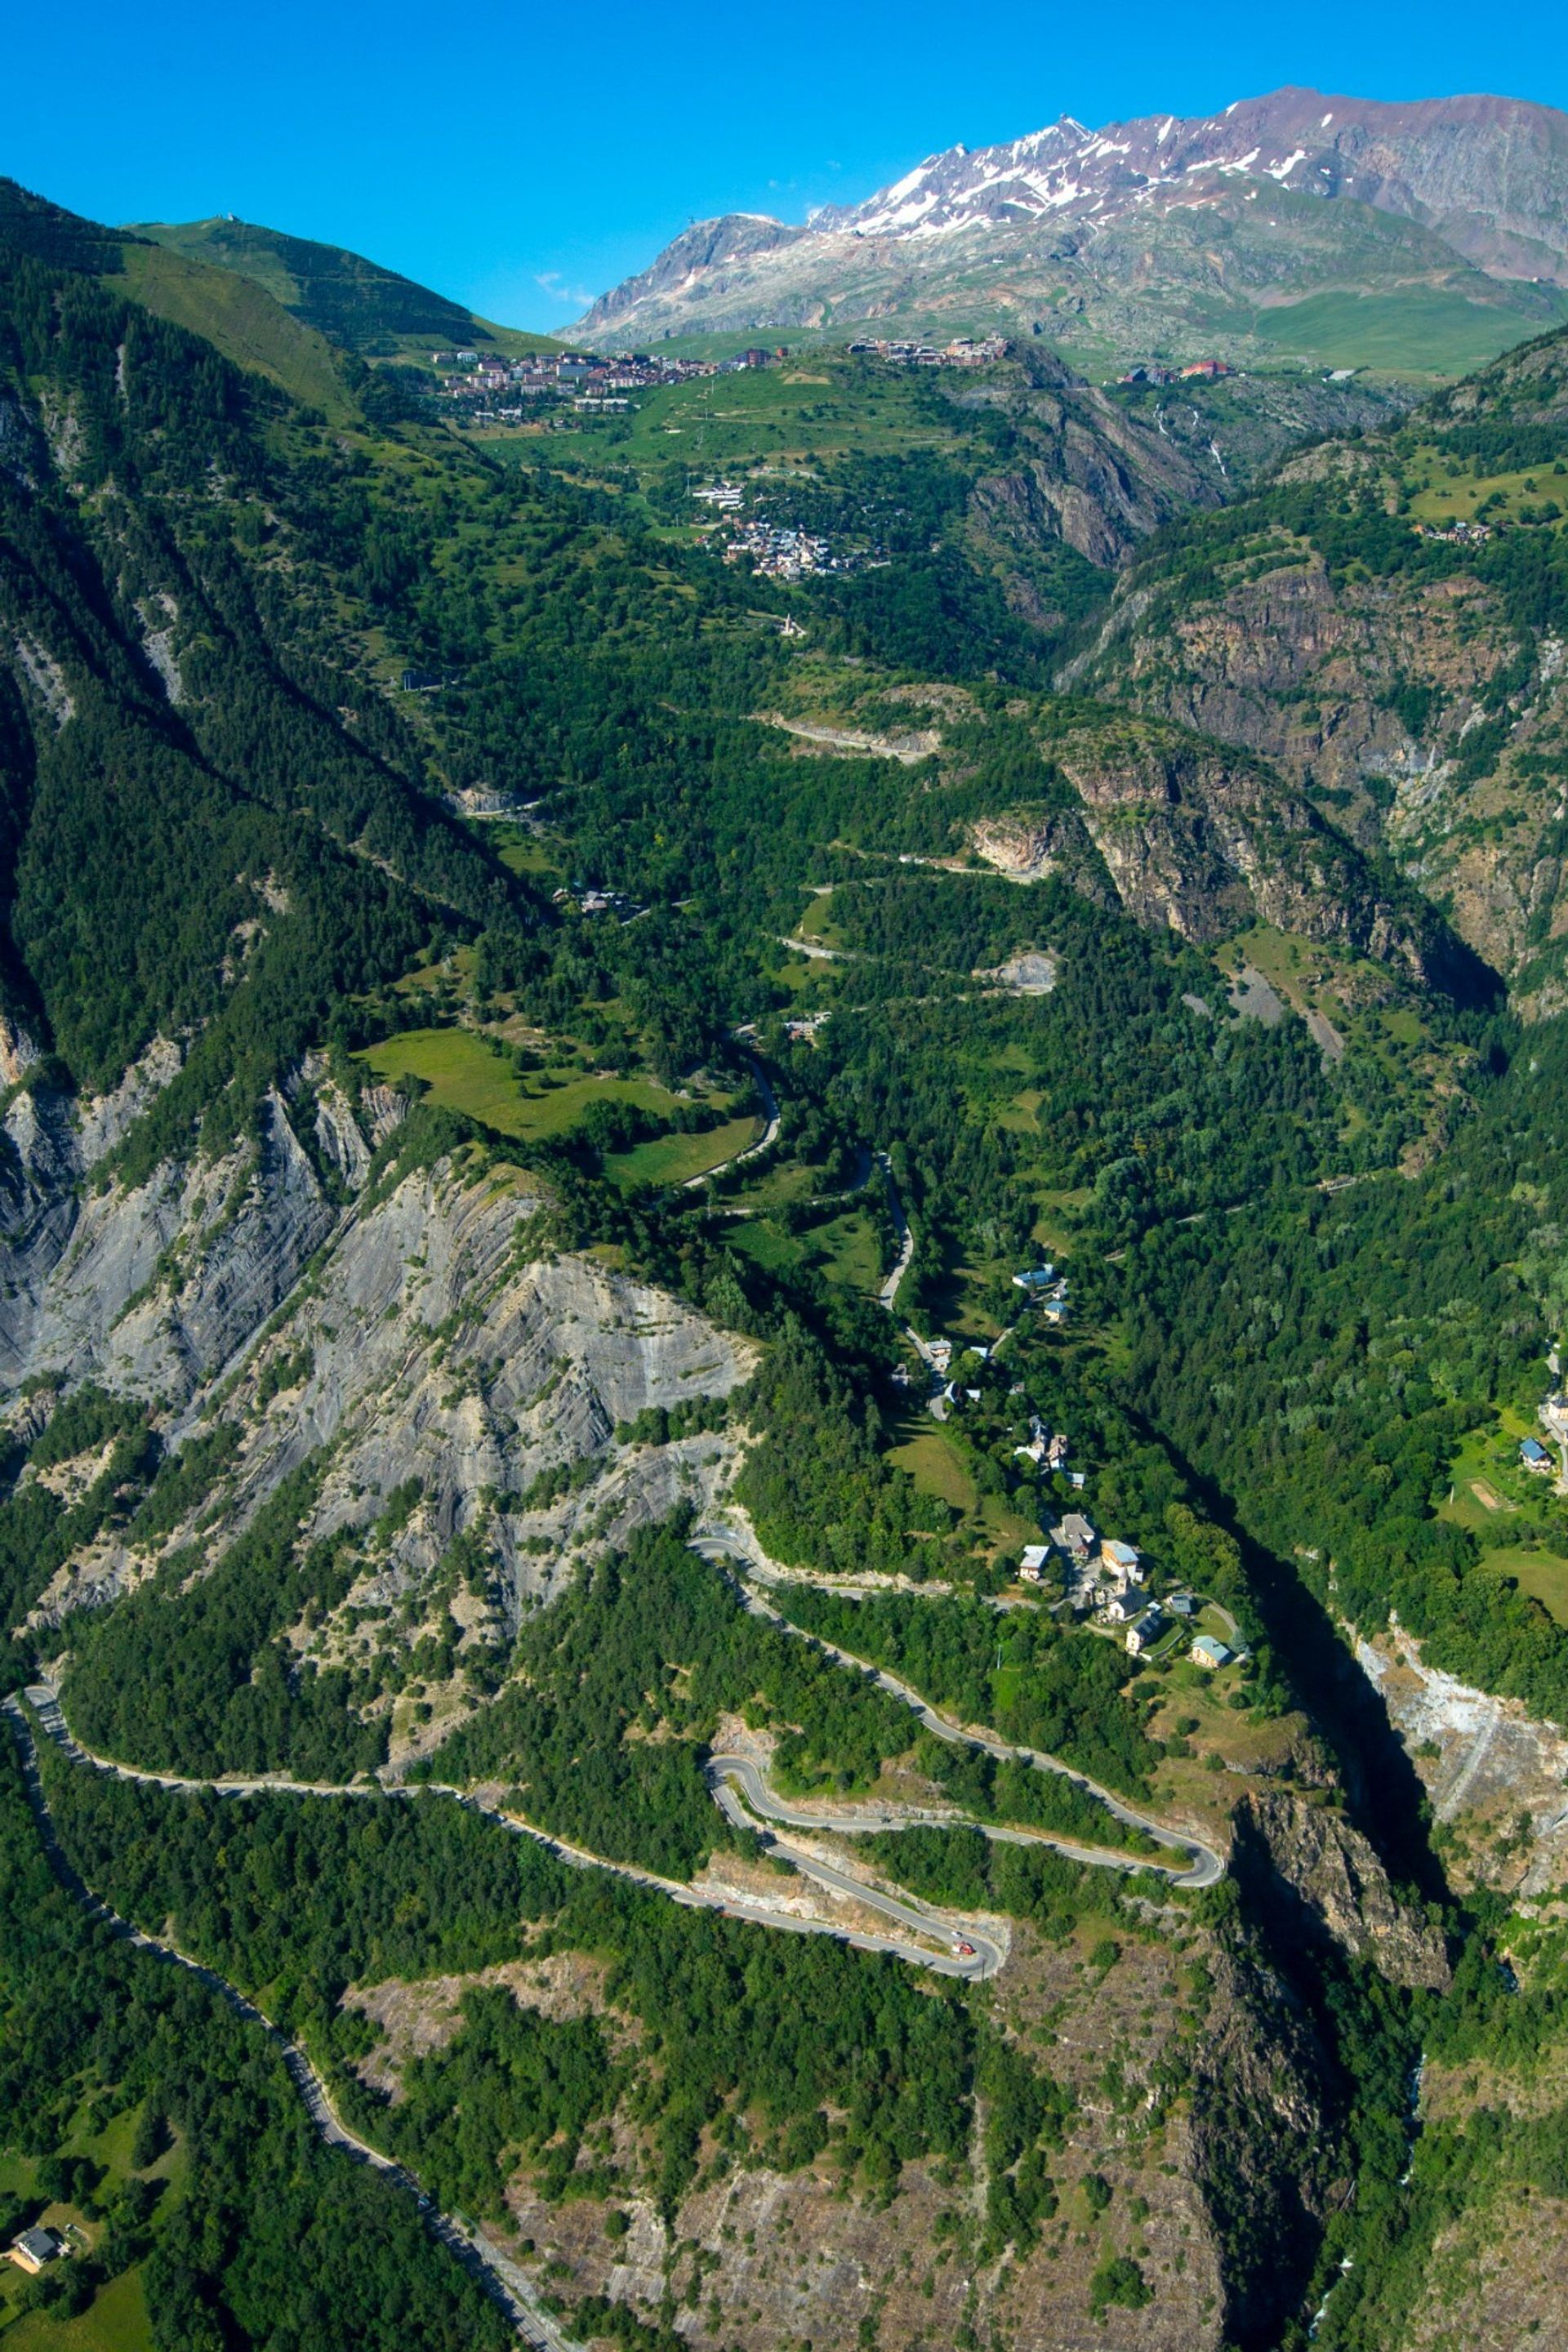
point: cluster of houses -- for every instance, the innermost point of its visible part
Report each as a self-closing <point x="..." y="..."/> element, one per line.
<point x="1456" y="534"/>
<point x="588" y="379"/>
<point x="1047" y="1288"/>
<point x="962" y="351"/>
<point x="1047" y="1450"/>
<point x="589" y="900"/>
<point x="1100" y="1577"/>
<point x="1203" y="370"/>
<point x="1106" y="1579"/>
<point x="775" y="550"/>
<point x="779" y="552"/>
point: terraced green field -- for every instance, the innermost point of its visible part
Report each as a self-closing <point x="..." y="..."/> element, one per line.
<point x="677" y="1159"/>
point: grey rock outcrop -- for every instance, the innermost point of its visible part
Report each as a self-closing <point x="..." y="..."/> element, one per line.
<point x="1309" y="1861"/>
<point x="1262" y="2122"/>
<point x="437" y="1342"/>
<point x="151" y="1288"/>
<point x="1188" y="838"/>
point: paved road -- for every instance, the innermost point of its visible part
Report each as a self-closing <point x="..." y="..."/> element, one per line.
<point x="853" y="1819"/>
<point x="889" y="1289"/>
<point x="988" y="1949"/>
<point x="1205" y="1865"/>
<point x="505" y="2282"/>
<point x="44" y="1699"/>
<point x="814" y="949"/>
<point x="768" y="1136"/>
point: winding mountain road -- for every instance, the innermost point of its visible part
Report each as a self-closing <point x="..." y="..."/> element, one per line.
<point x="986" y="1946"/>
<point x="889" y="1289"/>
<point x="769" y="1135"/>
<point x="940" y="1941"/>
<point x="948" y="1928"/>
<point x="1205" y="1864"/>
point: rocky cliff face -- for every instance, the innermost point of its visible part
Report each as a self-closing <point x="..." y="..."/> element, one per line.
<point x="1090" y="475"/>
<point x="1418" y="705"/>
<point x="1304" y="1860"/>
<point x="151" y="1289"/>
<point x="1261" y="2132"/>
<point x="1369" y="694"/>
<point x="1183" y="835"/>
<point x="1102" y="473"/>
<point x="418" y="1335"/>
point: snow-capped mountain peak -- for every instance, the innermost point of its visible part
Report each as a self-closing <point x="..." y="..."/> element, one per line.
<point x="1483" y="181"/>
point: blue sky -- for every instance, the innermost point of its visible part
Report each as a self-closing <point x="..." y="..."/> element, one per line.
<point x="524" y="157"/>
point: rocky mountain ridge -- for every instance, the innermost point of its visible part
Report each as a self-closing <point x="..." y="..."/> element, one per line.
<point x="1488" y="174"/>
<point x="1111" y="235"/>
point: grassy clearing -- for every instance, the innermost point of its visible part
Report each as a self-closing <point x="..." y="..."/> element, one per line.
<point x="1416" y="330"/>
<point x="117" y="2320"/>
<point x="817" y="923"/>
<point x="843" y="1251"/>
<point x="1021" y="1114"/>
<point x="1008" y="1529"/>
<point x="463" y="1075"/>
<point x="1443" y="493"/>
<point x="455" y="971"/>
<point x="791" y="1180"/>
<point x="524" y="852"/>
<point x="846" y="1252"/>
<point x="1487" y="1466"/>
<point x="937" y="1467"/>
<point x="948" y="1293"/>
<point x="767" y="1245"/>
<point x="1053" y="1228"/>
<point x="676" y="1158"/>
<point x="1542" y="1574"/>
<point x="245" y="321"/>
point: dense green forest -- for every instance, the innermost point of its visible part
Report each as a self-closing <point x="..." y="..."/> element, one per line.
<point x="202" y="1683"/>
<point x="618" y="1686"/>
<point x="1063" y="1695"/>
<point x="299" y="1899"/>
<point x="269" y="2237"/>
<point x="1370" y="1336"/>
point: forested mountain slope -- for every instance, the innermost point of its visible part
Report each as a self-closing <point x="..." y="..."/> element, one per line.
<point x="559" y="1537"/>
<point x="353" y="302"/>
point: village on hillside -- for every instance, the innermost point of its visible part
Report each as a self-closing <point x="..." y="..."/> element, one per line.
<point x="1099" y="1580"/>
<point x="582" y="380"/>
<point x="485" y="387"/>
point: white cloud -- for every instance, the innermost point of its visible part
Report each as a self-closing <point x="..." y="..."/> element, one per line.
<point x="551" y="282"/>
